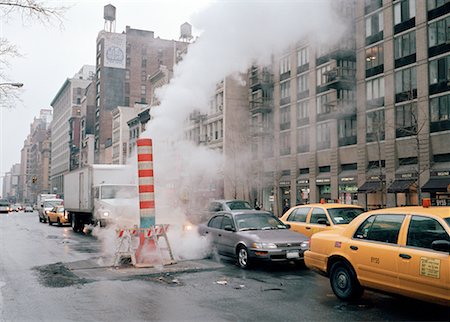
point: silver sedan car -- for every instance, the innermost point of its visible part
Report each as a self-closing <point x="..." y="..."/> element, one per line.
<point x="253" y="235"/>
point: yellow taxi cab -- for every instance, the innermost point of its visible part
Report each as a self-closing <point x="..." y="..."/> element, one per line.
<point x="403" y="250"/>
<point x="312" y="218"/>
<point x="58" y="216"/>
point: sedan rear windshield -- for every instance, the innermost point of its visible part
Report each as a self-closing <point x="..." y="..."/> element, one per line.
<point x="52" y="203"/>
<point x="341" y="216"/>
<point x="258" y="222"/>
<point x="238" y="205"/>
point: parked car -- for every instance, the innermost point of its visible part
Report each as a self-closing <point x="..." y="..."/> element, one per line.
<point x="404" y="250"/>
<point x="28" y="209"/>
<point x="312" y="218"/>
<point x="252" y="235"/>
<point x="58" y="215"/>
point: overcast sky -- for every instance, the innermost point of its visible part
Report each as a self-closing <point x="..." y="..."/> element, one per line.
<point x="51" y="54"/>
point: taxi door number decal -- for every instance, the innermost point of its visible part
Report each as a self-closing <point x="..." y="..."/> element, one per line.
<point x="430" y="267"/>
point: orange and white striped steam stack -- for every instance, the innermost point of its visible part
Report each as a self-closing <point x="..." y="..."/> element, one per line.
<point x="146" y="183"/>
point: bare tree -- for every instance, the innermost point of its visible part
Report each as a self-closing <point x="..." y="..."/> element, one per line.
<point x="29" y="11"/>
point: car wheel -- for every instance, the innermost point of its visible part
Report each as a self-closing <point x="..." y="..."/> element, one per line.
<point x="40" y="219"/>
<point x="49" y="221"/>
<point x="242" y="257"/>
<point x="344" y="282"/>
<point x="59" y="222"/>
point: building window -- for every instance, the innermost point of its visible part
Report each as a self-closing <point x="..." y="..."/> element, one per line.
<point x="375" y="126"/>
<point x="127" y="88"/>
<point x="439" y="32"/>
<point x="303" y="139"/>
<point x="143" y="89"/>
<point x="323" y="136"/>
<point x="285" y="143"/>
<point x="405" y="120"/>
<point x="439" y="75"/>
<point x="285" y="92"/>
<point x="97" y="102"/>
<point x="374" y="27"/>
<point x="144" y="62"/>
<point x="405" y="84"/>
<point x="440" y="113"/>
<point x="374" y="56"/>
<point x="143" y="76"/>
<point x="347" y="131"/>
<point x="302" y="56"/>
<point x="322" y="74"/>
<point x="302" y="113"/>
<point x="372" y="5"/>
<point x="404" y="10"/>
<point x="127" y="74"/>
<point x="285" y="118"/>
<point x="302" y="86"/>
<point x="405" y="47"/>
<point x="323" y="104"/>
<point x="375" y="91"/>
<point x="433" y="4"/>
<point x="285" y="65"/>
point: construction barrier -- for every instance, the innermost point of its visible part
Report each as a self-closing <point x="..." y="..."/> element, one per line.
<point x="150" y="250"/>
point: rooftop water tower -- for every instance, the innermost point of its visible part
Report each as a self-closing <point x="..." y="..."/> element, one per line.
<point x="109" y="14"/>
<point x="186" y="32"/>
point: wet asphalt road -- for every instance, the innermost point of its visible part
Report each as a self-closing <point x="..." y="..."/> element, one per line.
<point x="36" y="285"/>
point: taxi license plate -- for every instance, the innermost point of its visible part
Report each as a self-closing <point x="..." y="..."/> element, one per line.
<point x="292" y="254"/>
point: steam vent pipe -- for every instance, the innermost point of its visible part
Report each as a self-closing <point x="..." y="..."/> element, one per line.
<point x="146" y="183"/>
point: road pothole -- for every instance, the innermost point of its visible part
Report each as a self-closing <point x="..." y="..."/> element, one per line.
<point x="58" y="275"/>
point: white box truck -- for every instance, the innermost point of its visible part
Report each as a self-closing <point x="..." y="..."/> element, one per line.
<point x="101" y="194"/>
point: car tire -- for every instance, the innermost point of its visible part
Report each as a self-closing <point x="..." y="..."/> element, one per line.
<point x="49" y="221"/>
<point x="40" y="219"/>
<point x="242" y="257"/>
<point x="344" y="283"/>
<point x="59" y="222"/>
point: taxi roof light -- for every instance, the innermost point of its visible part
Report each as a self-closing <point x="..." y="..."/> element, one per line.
<point x="426" y="202"/>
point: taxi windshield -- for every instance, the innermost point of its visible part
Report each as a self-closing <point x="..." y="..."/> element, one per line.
<point x="447" y="220"/>
<point x="341" y="216"/>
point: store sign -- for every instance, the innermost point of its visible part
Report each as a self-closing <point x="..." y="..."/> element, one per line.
<point x="323" y="180"/>
<point x="285" y="183"/>
<point x="443" y="173"/>
<point x="303" y="181"/>
<point x="406" y="175"/>
<point x="347" y="179"/>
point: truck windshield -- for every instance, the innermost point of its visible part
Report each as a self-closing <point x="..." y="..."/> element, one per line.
<point x="122" y="192"/>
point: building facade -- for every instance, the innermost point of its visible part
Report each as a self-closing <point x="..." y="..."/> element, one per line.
<point x="123" y="78"/>
<point x="67" y="100"/>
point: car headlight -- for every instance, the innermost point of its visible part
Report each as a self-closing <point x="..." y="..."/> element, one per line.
<point x="264" y="245"/>
<point x="105" y="213"/>
<point x="305" y="244"/>
<point x="188" y="227"/>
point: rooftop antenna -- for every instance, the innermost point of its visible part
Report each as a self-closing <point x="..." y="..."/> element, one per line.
<point x="109" y="14"/>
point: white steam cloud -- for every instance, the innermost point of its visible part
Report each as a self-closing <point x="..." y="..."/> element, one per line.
<point x="235" y="35"/>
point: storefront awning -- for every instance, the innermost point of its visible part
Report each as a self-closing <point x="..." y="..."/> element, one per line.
<point x="370" y="186"/>
<point x="436" y="185"/>
<point x="400" y="186"/>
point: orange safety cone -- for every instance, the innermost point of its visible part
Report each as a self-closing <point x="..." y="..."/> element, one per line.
<point x="147" y="253"/>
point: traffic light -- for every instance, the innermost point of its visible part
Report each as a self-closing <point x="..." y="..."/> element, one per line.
<point x="34" y="179"/>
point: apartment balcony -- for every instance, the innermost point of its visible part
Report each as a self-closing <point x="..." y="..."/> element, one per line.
<point x="197" y="117"/>
<point x="261" y="105"/>
<point x="260" y="78"/>
<point x="340" y="78"/>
